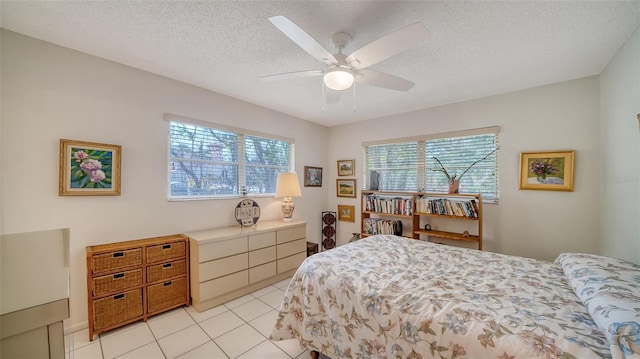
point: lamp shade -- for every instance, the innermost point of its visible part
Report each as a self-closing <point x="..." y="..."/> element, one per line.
<point x="338" y="78"/>
<point x="287" y="185"/>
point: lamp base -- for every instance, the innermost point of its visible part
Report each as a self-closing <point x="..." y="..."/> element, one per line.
<point x="287" y="209"/>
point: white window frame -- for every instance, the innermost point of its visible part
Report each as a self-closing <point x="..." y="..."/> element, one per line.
<point x="421" y="162"/>
<point x="240" y="163"/>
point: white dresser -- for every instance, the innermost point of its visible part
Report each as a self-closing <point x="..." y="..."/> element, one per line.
<point x="229" y="262"/>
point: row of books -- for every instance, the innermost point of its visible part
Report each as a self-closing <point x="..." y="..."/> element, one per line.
<point x="393" y="205"/>
<point x="382" y="226"/>
<point x="459" y="208"/>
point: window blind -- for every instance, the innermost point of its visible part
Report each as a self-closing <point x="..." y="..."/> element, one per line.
<point x="206" y="162"/>
<point x="410" y="165"/>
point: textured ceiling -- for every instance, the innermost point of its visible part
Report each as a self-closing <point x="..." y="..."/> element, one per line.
<point x="474" y="49"/>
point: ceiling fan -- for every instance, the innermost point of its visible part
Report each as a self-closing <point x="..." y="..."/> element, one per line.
<point x="342" y="71"/>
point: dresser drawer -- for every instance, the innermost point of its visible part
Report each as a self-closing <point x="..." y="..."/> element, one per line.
<point x="223" y="285"/>
<point x="166" y="270"/>
<point x="117" y="281"/>
<point x="221" y="249"/>
<point x="261" y="272"/>
<point x="113" y="261"/>
<point x="262" y="240"/>
<point x="290" y="234"/>
<point x="117" y="308"/>
<point x="262" y="256"/>
<point x="167" y="251"/>
<point x="166" y="294"/>
<point x="292" y="262"/>
<point x="291" y="248"/>
<point x="221" y="267"/>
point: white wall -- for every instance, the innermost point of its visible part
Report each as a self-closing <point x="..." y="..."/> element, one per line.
<point x="50" y="92"/>
<point x="619" y="126"/>
<point x="538" y="224"/>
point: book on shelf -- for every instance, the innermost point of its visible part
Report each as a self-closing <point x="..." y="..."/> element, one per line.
<point x="382" y="226"/>
<point x="385" y="204"/>
<point x="448" y="207"/>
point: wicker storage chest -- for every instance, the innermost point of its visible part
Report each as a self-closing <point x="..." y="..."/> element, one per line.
<point x="133" y="280"/>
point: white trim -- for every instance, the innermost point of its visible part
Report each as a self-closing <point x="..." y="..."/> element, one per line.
<point x="216" y="126"/>
<point x="462" y="133"/>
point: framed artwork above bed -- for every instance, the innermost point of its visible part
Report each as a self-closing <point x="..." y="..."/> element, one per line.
<point x="551" y="171"/>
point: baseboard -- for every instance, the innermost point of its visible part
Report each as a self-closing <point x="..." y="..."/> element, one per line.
<point x="71" y="328"/>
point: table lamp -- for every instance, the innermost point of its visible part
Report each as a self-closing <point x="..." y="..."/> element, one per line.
<point x="287" y="186"/>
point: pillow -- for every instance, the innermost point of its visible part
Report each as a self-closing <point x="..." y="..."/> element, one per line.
<point x="610" y="289"/>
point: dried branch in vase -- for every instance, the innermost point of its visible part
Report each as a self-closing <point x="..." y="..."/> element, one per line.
<point x="455" y="177"/>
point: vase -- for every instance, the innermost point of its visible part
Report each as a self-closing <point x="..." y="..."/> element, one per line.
<point x="454" y="186"/>
<point x="541" y="178"/>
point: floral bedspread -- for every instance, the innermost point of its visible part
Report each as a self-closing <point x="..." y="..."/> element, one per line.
<point x="610" y="289"/>
<point x="393" y="297"/>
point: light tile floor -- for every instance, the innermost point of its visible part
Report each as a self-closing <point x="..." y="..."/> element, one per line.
<point x="237" y="329"/>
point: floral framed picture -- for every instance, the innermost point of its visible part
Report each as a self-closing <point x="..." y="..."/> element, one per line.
<point x="346" y="188"/>
<point x="346" y="213"/>
<point x="551" y="171"/>
<point x="312" y="176"/>
<point x="346" y="167"/>
<point x="89" y="169"/>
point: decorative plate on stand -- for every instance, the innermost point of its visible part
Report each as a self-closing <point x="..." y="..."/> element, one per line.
<point x="247" y="212"/>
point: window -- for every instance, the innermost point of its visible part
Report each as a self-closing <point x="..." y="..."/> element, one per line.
<point x="207" y="162"/>
<point x="409" y="164"/>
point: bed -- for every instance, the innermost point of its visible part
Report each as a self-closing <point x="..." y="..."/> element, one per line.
<point x="394" y="297"/>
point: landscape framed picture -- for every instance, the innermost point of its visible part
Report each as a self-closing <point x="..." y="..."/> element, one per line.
<point x="552" y="171"/>
<point x="312" y="176"/>
<point x="345" y="167"/>
<point x="346" y="188"/>
<point x="346" y="213"/>
<point x="89" y="169"/>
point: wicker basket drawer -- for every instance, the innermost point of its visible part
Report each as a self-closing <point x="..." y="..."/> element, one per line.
<point x="166" y="294"/>
<point x="115" y="260"/>
<point x="166" y="270"/>
<point x="117" y="281"/>
<point x="117" y="309"/>
<point x="165" y="252"/>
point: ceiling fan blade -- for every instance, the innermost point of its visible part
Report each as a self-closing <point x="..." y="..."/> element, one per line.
<point x="302" y="39"/>
<point x="291" y="75"/>
<point x="387" y="46"/>
<point x="381" y="79"/>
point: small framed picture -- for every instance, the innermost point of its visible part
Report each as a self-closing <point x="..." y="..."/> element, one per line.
<point x="346" y="167"/>
<point x="346" y="213"/>
<point x="89" y="169"/>
<point x="312" y="176"/>
<point x="551" y="171"/>
<point x="346" y="188"/>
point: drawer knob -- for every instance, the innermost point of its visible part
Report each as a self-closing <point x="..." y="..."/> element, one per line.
<point x="166" y="246"/>
<point x="118" y="275"/>
<point x="167" y="265"/>
<point x="119" y="296"/>
<point x="118" y="254"/>
<point x="166" y="284"/>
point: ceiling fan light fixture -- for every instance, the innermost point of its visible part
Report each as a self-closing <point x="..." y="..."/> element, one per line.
<point x="338" y="78"/>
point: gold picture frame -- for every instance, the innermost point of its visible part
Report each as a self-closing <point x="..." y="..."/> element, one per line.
<point x="312" y="176"/>
<point x="346" y="213"/>
<point x="346" y="188"/>
<point x="550" y="171"/>
<point x="89" y="169"/>
<point x="346" y="167"/>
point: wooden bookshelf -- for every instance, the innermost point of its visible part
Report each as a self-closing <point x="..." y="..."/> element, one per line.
<point x="411" y="207"/>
